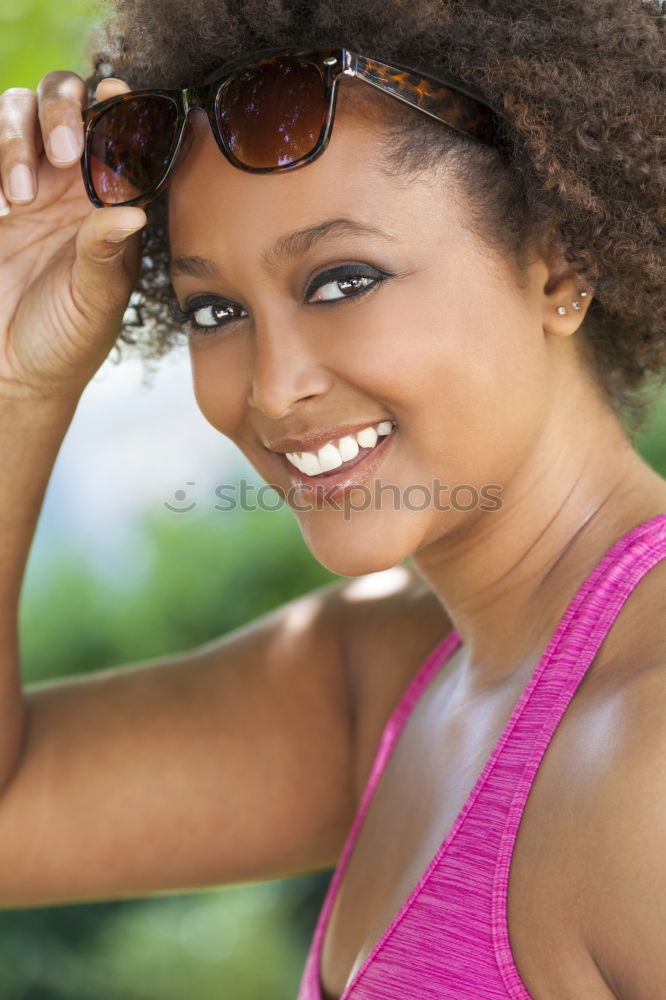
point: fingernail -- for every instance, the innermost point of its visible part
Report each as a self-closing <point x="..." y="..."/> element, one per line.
<point x="4" y="207"/>
<point x="118" y="235"/>
<point x="63" y="144"/>
<point x="21" y="186"/>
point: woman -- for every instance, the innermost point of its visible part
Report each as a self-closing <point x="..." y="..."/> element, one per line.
<point x="459" y="298"/>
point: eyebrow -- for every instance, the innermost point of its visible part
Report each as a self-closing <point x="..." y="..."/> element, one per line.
<point x="291" y="245"/>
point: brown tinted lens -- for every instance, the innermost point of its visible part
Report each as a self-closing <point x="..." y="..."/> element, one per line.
<point x="131" y="146"/>
<point x="272" y="114"/>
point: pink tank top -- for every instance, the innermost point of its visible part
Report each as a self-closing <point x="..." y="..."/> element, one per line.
<point x="449" y="940"/>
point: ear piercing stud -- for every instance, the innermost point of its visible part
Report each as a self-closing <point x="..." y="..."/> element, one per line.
<point x="562" y="310"/>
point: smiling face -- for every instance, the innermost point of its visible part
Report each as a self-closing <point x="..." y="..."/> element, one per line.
<point x="399" y="314"/>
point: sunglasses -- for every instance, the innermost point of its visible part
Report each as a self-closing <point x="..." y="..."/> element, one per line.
<point x="271" y="114"/>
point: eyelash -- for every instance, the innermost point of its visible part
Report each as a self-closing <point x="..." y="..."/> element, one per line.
<point x="339" y="275"/>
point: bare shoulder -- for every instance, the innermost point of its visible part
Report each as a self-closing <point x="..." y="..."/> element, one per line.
<point x="628" y="907"/>
<point x="390" y="622"/>
<point x="627" y="912"/>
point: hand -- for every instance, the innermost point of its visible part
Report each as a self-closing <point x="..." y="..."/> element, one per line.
<point x="63" y="286"/>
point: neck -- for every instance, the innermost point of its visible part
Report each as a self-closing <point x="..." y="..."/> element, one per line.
<point x="506" y="577"/>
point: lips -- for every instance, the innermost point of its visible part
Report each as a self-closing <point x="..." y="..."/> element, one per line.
<point x="333" y="484"/>
<point x="313" y="442"/>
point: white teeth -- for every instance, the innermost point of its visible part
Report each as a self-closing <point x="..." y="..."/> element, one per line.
<point x="310" y="464"/>
<point x="331" y="456"/>
<point x="348" y="447"/>
<point x="295" y="459"/>
<point x="367" y="438"/>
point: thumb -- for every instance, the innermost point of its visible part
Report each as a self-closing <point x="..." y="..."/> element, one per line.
<point x="100" y="268"/>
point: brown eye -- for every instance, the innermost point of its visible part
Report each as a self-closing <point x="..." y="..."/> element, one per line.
<point x="203" y="316"/>
<point x="341" y="289"/>
<point x="344" y="283"/>
<point x="219" y="314"/>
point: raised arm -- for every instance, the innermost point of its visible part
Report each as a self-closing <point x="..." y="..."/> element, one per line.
<point x="227" y="762"/>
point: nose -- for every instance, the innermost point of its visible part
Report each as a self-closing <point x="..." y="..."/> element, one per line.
<point x="284" y="372"/>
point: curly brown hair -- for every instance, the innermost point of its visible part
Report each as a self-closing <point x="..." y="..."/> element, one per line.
<point x="581" y="151"/>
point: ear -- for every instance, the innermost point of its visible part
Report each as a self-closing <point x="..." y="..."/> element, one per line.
<point x="566" y="296"/>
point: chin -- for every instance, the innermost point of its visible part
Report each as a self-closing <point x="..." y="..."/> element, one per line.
<point x="355" y="548"/>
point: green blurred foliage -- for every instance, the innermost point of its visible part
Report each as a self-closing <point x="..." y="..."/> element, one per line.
<point x="651" y="442"/>
<point x="202" y="577"/>
<point x="242" y="943"/>
<point x="37" y="36"/>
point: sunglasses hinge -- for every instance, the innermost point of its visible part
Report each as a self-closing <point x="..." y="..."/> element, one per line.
<point x="195" y="97"/>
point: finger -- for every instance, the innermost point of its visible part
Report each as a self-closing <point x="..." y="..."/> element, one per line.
<point x="61" y="96"/>
<point x="48" y="121"/>
<point x="18" y="165"/>
<point x="111" y="86"/>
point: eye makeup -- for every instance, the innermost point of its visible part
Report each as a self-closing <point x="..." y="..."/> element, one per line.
<point x="353" y="281"/>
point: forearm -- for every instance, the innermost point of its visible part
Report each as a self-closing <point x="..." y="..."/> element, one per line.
<point x="31" y="433"/>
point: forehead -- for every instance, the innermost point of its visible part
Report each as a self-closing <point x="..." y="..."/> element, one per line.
<point x="212" y="203"/>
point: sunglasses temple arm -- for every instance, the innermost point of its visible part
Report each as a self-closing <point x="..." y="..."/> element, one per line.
<point x="460" y="111"/>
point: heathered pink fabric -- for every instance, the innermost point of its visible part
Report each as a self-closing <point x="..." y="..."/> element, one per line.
<point x="449" y="940"/>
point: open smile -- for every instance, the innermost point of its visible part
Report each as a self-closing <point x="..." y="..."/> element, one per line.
<point x="335" y="482"/>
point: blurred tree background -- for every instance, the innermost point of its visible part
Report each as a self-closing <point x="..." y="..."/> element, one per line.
<point x="247" y="941"/>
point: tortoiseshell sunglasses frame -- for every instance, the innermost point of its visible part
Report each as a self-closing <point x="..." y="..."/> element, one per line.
<point x="444" y="97"/>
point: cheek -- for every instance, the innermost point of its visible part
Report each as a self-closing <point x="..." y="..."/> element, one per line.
<point x="463" y="363"/>
<point x="454" y="342"/>
<point x="220" y="379"/>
